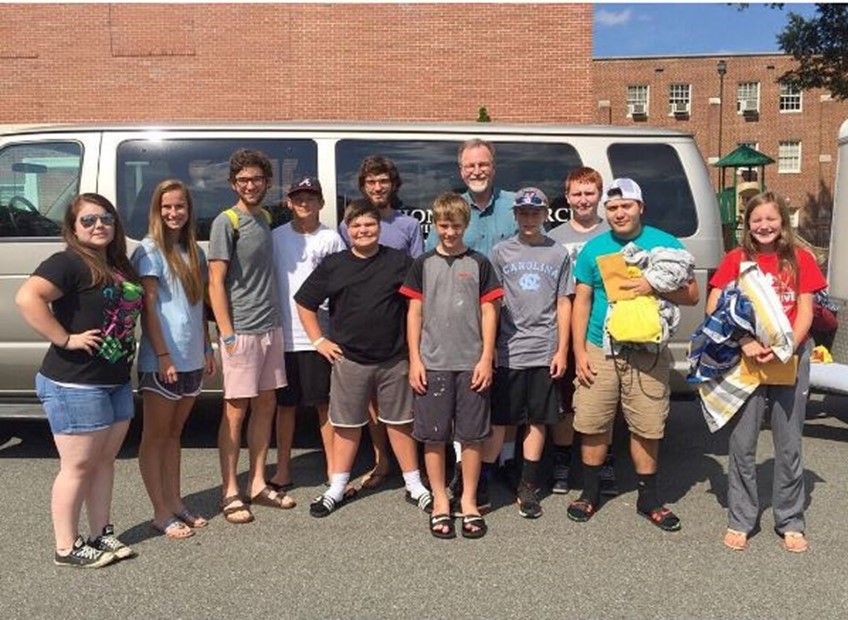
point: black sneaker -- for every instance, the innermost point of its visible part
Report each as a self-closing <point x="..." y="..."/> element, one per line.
<point x="528" y="502"/>
<point x="559" y="479"/>
<point x="84" y="556"/>
<point x="107" y="541"/>
<point x="606" y="478"/>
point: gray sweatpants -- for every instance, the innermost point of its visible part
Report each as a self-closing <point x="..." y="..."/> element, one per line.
<point x="787" y="405"/>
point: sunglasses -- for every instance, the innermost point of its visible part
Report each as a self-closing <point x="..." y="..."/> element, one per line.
<point x="88" y="221"/>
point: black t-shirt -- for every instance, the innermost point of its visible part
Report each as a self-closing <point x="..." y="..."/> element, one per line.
<point x="367" y="311"/>
<point x="113" y="309"/>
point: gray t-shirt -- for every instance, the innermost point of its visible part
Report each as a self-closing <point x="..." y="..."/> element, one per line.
<point x="573" y="240"/>
<point x="250" y="283"/>
<point x="452" y="290"/>
<point x="534" y="277"/>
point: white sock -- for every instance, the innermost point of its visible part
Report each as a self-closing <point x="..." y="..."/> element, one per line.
<point x="508" y="451"/>
<point x="457" y="447"/>
<point x="412" y="480"/>
<point x="338" y="482"/>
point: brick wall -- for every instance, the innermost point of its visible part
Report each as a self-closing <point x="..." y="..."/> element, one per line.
<point x="816" y="126"/>
<point x="102" y="62"/>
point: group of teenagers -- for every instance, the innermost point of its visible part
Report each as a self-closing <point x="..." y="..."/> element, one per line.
<point x="494" y="324"/>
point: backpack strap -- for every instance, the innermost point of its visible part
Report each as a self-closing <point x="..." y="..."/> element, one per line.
<point x="234" y="220"/>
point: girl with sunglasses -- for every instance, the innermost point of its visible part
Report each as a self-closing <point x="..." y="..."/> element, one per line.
<point x="175" y="350"/>
<point x="85" y="301"/>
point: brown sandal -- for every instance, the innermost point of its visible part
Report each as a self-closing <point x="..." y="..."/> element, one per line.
<point x="736" y="540"/>
<point x="795" y="542"/>
<point x="229" y="512"/>
<point x="272" y="499"/>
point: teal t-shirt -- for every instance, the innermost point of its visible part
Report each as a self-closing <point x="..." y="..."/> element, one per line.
<point x="586" y="270"/>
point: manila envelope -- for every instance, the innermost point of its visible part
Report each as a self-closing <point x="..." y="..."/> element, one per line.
<point x="614" y="274"/>
<point x="774" y="372"/>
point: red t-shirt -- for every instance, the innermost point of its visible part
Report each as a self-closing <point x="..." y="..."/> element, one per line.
<point x="810" y="279"/>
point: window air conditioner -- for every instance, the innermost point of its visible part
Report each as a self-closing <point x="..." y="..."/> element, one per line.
<point x="638" y="109"/>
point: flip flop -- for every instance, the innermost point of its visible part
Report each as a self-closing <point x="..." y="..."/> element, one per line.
<point x="174" y="529"/>
<point x="663" y="518"/>
<point x="474" y="521"/>
<point x="272" y="499"/>
<point x="191" y="519"/>
<point x="736" y="540"/>
<point x="230" y="511"/>
<point x="795" y="542"/>
<point x="442" y="519"/>
<point x="424" y="501"/>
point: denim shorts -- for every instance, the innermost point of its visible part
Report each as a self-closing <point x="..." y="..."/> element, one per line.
<point x="73" y="410"/>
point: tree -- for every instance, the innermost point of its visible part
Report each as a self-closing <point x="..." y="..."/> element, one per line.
<point x="820" y="45"/>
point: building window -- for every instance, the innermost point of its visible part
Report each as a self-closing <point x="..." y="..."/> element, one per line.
<point x="748" y="98"/>
<point x="790" y="99"/>
<point x="637" y="100"/>
<point x="679" y="98"/>
<point x="789" y="156"/>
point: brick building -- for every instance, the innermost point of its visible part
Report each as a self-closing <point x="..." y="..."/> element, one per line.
<point x="148" y="62"/>
<point x="796" y="129"/>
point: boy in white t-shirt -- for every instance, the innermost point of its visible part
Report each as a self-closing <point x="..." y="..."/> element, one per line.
<point x="299" y="247"/>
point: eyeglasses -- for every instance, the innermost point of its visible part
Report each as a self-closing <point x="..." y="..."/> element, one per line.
<point x="88" y="221"/>
<point x="245" y="181"/>
<point x="486" y="165"/>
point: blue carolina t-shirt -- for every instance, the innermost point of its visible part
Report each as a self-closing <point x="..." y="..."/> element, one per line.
<point x="586" y="270"/>
<point x="182" y="323"/>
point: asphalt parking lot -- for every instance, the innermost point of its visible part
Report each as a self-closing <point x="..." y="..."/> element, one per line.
<point x="374" y="557"/>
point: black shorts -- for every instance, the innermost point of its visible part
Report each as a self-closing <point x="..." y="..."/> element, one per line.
<point x="451" y="410"/>
<point x="308" y="374"/>
<point x="525" y="396"/>
<point x="187" y="385"/>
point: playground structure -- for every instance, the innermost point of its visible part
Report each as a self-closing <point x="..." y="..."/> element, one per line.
<point x="748" y="174"/>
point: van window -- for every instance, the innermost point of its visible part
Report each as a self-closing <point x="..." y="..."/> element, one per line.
<point x="669" y="204"/>
<point x="428" y="168"/>
<point x="203" y="165"/>
<point x="37" y="182"/>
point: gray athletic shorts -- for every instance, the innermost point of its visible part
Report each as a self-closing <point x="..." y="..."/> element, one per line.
<point x="187" y="385"/>
<point x="352" y="385"/>
<point x="451" y="410"/>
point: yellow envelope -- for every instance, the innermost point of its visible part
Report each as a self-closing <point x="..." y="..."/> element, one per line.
<point x="614" y="273"/>
<point x="774" y="372"/>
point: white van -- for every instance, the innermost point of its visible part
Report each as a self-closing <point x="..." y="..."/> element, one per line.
<point x="837" y="269"/>
<point x="42" y="169"/>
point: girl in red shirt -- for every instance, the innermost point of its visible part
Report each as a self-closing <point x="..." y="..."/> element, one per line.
<point x="768" y="240"/>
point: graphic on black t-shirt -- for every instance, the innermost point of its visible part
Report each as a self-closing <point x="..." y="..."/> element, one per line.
<point x="123" y="304"/>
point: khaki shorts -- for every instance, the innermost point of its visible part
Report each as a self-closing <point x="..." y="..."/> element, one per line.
<point x="255" y="365"/>
<point x="637" y="379"/>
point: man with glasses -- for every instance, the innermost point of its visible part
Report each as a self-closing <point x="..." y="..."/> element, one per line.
<point x="491" y="221"/>
<point x="243" y="295"/>
<point x="379" y="182"/>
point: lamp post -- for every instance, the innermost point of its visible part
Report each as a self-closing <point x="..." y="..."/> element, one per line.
<point x="721" y="67"/>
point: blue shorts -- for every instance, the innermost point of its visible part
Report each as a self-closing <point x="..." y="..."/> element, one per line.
<point x="72" y="410"/>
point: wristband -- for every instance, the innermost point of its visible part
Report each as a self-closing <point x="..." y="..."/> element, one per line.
<point x="67" y="340"/>
<point x="315" y="343"/>
<point x="228" y="340"/>
<point x="162" y="354"/>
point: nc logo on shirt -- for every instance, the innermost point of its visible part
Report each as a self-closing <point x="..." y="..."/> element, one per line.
<point x="530" y="282"/>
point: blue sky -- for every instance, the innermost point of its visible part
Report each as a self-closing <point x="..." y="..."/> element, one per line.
<point x="669" y="29"/>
